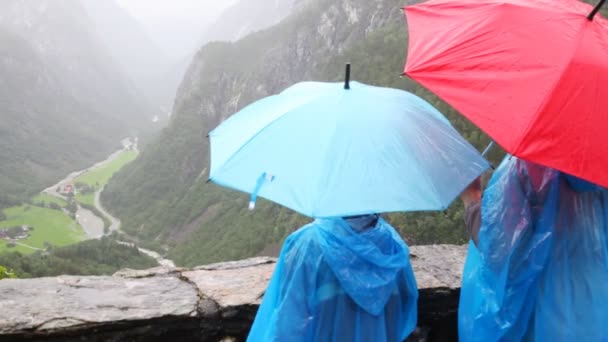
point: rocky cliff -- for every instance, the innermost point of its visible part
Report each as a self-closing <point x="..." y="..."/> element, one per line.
<point x="207" y="303"/>
<point x="164" y="197"/>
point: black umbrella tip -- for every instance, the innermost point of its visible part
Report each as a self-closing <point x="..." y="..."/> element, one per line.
<point x="347" y="77"/>
<point x="596" y="9"/>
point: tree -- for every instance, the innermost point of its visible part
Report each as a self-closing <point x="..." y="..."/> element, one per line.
<point x="54" y="206"/>
<point x="5" y="273"/>
<point x="84" y="188"/>
<point x="91" y="257"/>
<point x="72" y="207"/>
<point x="47" y="246"/>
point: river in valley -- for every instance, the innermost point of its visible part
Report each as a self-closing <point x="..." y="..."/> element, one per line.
<point x="92" y="224"/>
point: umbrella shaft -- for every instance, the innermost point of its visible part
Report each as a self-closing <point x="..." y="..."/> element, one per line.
<point x="347" y="77"/>
<point x="487" y="149"/>
<point x="596" y="9"/>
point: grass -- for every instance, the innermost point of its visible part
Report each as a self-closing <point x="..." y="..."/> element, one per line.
<point x="88" y="199"/>
<point x="98" y="177"/>
<point x="101" y="175"/>
<point x="46" y="199"/>
<point x="52" y="226"/>
<point x="23" y="250"/>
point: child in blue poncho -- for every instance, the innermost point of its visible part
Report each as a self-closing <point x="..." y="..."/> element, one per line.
<point x="538" y="270"/>
<point x="340" y="280"/>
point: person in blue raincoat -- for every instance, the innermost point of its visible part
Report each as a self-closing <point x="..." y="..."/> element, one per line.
<point x="538" y="269"/>
<point x="340" y="279"/>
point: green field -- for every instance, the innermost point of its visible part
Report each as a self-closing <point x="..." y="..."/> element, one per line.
<point x="101" y="175"/>
<point x="98" y="177"/>
<point x="46" y="199"/>
<point x="86" y="199"/>
<point x="52" y="226"/>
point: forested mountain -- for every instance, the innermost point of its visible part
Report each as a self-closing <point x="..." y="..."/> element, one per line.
<point x="92" y="257"/>
<point x="64" y="36"/>
<point x="240" y="19"/>
<point x="133" y="50"/>
<point x="247" y="16"/>
<point x="64" y="103"/>
<point x="76" y="76"/>
<point x="164" y="196"/>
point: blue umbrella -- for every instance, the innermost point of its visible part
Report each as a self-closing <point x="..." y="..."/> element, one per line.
<point x="325" y="150"/>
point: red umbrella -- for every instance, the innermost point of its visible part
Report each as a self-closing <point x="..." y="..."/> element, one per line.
<point x="533" y="74"/>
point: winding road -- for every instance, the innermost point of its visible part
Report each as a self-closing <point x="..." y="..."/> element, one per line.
<point x="114" y="222"/>
<point x="115" y="226"/>
<point x="92" y="224"/>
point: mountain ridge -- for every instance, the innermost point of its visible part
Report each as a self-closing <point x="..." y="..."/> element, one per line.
<point x="63" y="104"/>
<point x="173" y="204"/>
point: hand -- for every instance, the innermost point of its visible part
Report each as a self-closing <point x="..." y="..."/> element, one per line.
<point x="472" y="194"/>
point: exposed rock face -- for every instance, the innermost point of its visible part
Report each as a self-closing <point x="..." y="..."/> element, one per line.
<point x="209" y="303"/>
<point x="222" y="79"/>
<point x="438" y="270"/>
<point x="70" y="307"/>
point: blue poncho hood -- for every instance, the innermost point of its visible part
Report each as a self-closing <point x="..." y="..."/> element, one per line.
<point x="336" y="282"/>
<point x="366" y="263"/>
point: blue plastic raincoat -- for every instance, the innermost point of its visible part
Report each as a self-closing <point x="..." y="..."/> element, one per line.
<point x="333" y="283"/>
<point x="540" y="272"/>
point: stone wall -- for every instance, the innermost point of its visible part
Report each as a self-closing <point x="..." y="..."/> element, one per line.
<point x="208" y="303"/>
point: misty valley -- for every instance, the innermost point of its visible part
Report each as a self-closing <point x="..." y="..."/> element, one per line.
<point x="108" y="114"/>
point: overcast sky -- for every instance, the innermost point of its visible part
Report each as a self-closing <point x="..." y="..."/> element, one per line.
<point x="175" y="25"/>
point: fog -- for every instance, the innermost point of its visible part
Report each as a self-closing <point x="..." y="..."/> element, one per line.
<point x="79" y="76"/>
<point x="120" y="58"/>
<point x="176" y="26"/>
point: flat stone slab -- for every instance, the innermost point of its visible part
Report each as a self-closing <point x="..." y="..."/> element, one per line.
<point x="196" y="305"/>
<point x="230" y="287"/>
<point x="45" y="304"/>
<point x="438" y="266"/>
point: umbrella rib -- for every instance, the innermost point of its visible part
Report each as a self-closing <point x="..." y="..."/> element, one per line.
<point x="436" y="193"/>
<point x="327" y="155"/>
<point x="545" y="102"/>
<point x="253" y="136"/>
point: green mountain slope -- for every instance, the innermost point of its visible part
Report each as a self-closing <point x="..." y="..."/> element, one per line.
<point x="44" y="132"/>
<point x="64" y="104"/>
<point x="92" y="257"/>
<point x="164" y="197"/>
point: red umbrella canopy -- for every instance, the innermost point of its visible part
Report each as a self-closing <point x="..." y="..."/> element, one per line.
<point x="532" y="74"/>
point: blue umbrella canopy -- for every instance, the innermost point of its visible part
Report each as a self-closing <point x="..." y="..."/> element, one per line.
<point x="326" y="151"/>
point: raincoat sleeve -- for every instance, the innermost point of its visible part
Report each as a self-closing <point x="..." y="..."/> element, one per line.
<point x="512" y="211"/>
<point x="284" y="313"/>
<point x="514" y="240"/>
